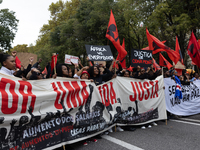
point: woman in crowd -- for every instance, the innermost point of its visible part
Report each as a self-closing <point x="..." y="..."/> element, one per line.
<point x="62" y="70"/>
<point x="98" y="78"/>
<point x="8" y="64"/>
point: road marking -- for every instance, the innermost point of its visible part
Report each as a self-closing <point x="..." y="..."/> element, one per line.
<point x="189" y="119"/>
<point x="185" y="122"/>
<point x="121" y="143"/>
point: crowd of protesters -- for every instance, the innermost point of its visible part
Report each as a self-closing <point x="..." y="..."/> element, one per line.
<point x="97" y="73"/>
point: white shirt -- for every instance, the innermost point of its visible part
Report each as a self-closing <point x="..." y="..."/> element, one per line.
<point x="6" y="71"/>
<point x="76" y="76"/>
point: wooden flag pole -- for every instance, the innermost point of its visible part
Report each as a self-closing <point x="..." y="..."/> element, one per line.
<point x="53" y="54"/>
<point x="63" y="147"/>
<point x="163" y="88"/>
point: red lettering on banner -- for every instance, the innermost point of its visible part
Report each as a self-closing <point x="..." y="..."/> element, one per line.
<point x="109" y="95"/>
<point x="15" y="98"/>
<point x="134" y="92"/>
<point x="146" y="84"/>
<point x="156" y="89"/>
<point x="106" y="92"/>
<point x="56" y="103"/>
<point x="73" y="99"/>
<point x="26" y="95"/>
<point x="5" y="109"/>
<point x="112" y="94"/>
<point x="139" y="92"/>
<point x="84" y="92"/>
<point x="152" y="84"/>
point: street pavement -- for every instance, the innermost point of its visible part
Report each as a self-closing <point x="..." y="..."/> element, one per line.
<point x="176" y="134"/>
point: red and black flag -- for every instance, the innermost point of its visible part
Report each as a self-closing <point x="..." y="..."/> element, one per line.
<point x="155" y="65"/>
<point x="164" y="62"/>
<point x="157" y="46"/>
<point x="123" y="61"/>
<point x="113" y="36"/>
<point x="153" y="52"/>
<point x="177" y="49"/>
<point x="193" y="50"/>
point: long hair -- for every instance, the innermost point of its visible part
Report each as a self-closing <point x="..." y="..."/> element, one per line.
<point x="91" y="71"/>
<point x="59" y="69"/>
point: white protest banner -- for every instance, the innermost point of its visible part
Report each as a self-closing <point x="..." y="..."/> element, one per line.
<point x="70" y="58"/>
<point x="189" y="104"/>
<point x="47" y="113"/>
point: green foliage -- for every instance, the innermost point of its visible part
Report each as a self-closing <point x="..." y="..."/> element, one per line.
<point x="78" y="22"/>
<point x="8" y="28"/>
<point x="21" y="48"/>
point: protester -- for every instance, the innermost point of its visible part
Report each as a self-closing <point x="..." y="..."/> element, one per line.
<point x="37" y="63"/>
<point x="98" y="78"/>
<point x="62" y="70"/>
<point x="8" y="64"/>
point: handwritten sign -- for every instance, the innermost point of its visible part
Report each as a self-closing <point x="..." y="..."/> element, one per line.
<point x="143" y="58"/>
<point x="70" y="58"/>
<point x="99" y="53"/>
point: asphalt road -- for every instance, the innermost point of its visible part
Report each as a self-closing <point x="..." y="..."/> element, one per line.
<point x="179" y="134"/>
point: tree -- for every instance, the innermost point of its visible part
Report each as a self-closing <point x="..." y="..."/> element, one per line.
<point x="21" y="48"/>
<point x="173" y="18"/>
<point x="8" y="28"/>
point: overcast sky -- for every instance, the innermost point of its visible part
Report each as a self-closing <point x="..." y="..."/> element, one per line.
<point x="32" y="15"/>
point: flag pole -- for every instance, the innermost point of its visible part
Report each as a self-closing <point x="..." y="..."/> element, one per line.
<point x="163" y="88"/>
<point x="54" y="62"/>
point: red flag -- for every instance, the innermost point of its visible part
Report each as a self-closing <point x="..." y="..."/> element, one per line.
<point x="53" y="61"/>
<point x="147" y="48"/>
<point x="130" y="68"/>
<point x="17" y="62"/>
<point x="112" y="35"/>
<point x="155" y="65"/>
<point x="177" y="49"/>
<point x="90" y="63"/>
<point x="44" y="71"/>
<point x="193" y="49"/>
<point x="164" y="62"/>
<point x="123" y="61"/>
<point x="158" y="46"/>
<point x="199" y="42"/>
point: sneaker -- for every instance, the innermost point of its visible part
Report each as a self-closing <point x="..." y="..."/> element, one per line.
<point x="154" y="124"/>
<point x="149" y="126"/>
<point x="94" y="140"/>
<point x="110" y="130"/>
<point x="85" y="143"/>
<point x="143" y="127"/>
<point x="119" y="129"/>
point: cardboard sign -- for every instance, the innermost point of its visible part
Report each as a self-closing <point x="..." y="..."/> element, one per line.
<point x="143" y="58"/>
<point x="70" y="58"/>
<point x="99" y="53"/>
